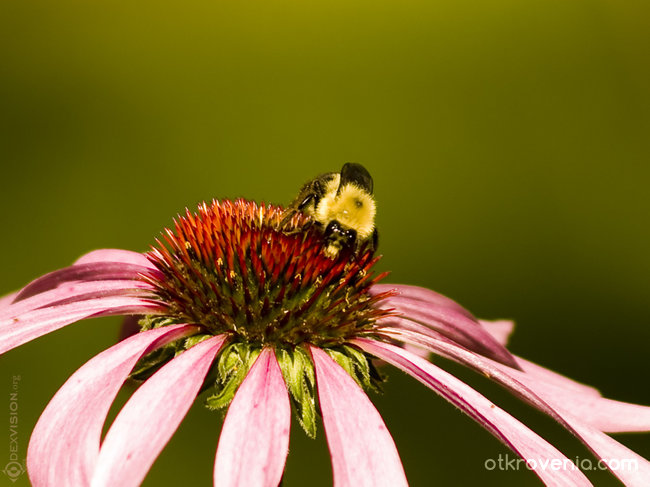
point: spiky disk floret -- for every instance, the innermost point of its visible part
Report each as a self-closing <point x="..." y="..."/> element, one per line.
<point x="230" y="269"/>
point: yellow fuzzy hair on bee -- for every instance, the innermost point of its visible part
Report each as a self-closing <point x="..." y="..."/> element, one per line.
<point x="343" y="206"/>
<point x="351" y="206"/>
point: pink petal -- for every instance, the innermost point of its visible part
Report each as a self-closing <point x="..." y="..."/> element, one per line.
<point x="362" y="450"/>
<point x="539" y="373"/>
<point x="7" y="300"/>
<point x="613" y="454"/>
<point x="94" y="271"/>
<point x="451" y="323"/>
<point x="419" y="351"/>
<point x="75" y="291"/>
<point x="509" y="430"/>
<point x="64" y="446"/>
<point x="499" y="329"/>
<point x="421" y="294"/>
<point x="582" y="401"/>
<point x="254" y="440"/>
<point x="603" y="414"/>
<point x="151" y="416"/>
<point x="115" y="255"/>
<point x="16" y="331"/>
<point x="555" y="390"/>
<point x="588" y="411"/>
<point x="545" y="375"/>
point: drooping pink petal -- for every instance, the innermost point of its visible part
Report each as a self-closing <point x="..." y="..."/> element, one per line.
<point x="419" y="351"/>
<point x="254" y="440"/>
<point x="362" y="450"/>
<point x="7" y="300"/>
<point x="545" y="375"/>
<point x="115" y="255"/>
<point x="499" y="329"/>
<point x="449" y="322"/>
<point x="421" y="294"/>
<point x="587" y="414"/>
<point x="93" y="271"/>
<point x="583" y="401"/>
<point x="151" y="416"/>
<point x="603" y="414"/>
<point x="535" y="371"/>
<point x="76" y="291"/>
<point x="33" y="324"/>
<point x="547" y="390"/>
<point x="509" y="430"/>
<point x="64" y="445"/>
<point x="632" y="469"/>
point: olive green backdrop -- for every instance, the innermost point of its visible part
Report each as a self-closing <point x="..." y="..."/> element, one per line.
<point x="508" y="141"/>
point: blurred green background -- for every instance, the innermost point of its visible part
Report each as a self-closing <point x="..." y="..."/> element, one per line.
<point x="509" y="142"/>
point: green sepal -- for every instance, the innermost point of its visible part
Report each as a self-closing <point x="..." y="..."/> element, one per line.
<point x="358" y="365"/>
<point x="152" y="362"/>
<point x="376" y="377"/>
<point x="233" y="364"/>
<point x="149" y="322"/>
<point x="298" y="372"/>
<point x="194" y="340"/>
<point x="372" y="378"/>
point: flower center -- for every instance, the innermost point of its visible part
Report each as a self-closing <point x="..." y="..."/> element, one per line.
<point x="235" y="268"/>
<point x="241" y="269"/>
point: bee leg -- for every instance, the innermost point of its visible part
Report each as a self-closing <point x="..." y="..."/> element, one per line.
<point x="301" y="229"/>
<point x="296" y="207"/>
<point x="288" y="214"/>
<point x="374" y="240"/>
<point x="307" y="201"/>
<point x="370" y="246"/>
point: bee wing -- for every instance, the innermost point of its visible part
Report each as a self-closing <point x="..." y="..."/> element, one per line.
<point x="356" y="174"/>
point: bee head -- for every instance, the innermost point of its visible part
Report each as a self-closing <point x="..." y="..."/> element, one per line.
<point x="349" y="202"/>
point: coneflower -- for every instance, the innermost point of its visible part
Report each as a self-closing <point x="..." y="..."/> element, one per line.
<point x="251" y="311"/>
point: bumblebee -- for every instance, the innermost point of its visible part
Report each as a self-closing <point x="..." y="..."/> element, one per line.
<point x="341" y="204"/>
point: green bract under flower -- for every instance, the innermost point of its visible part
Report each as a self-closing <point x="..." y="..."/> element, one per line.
<point x="235" y="268"/>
